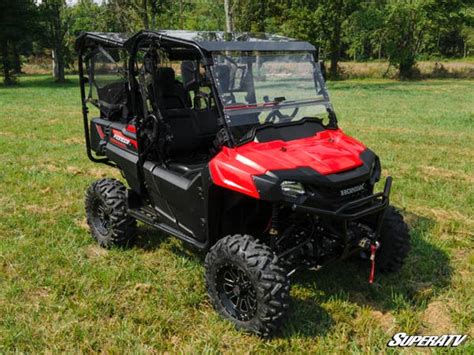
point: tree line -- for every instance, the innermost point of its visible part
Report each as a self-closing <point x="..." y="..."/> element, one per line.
<point x="399" y="31"/>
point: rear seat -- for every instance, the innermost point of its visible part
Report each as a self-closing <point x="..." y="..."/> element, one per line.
<point x="192" y="130"/>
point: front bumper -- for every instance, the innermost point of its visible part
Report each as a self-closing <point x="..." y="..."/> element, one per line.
<point x="373" y="205"/>
<point x="355" y="209"/>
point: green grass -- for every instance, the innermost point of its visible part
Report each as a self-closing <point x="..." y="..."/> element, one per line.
<point x="60" y="292"/>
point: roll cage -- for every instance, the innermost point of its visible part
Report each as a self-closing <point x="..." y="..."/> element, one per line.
<point x="178" y="44"/>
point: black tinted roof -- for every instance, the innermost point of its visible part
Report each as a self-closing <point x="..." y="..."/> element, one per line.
<point x="220" y="41"/>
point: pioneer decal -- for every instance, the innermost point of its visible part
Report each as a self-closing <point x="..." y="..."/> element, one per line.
<point x="121" y="139"/>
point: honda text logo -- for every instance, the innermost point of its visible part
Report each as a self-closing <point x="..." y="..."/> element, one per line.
<point x="404" y="340"/>
<point x="352" y="190"/>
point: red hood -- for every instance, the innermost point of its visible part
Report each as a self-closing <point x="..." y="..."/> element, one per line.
<point x="327" y="152"/>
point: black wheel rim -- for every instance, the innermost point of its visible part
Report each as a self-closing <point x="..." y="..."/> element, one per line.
<point x="101" y="216"/>
<point x="236" y="292"/>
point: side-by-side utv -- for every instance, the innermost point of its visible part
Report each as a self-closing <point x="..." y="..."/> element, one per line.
<point x="229" y="142"/>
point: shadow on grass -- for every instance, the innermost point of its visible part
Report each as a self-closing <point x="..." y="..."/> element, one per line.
<point x="307" y="318"/>
<point x="149" y="238"/>
<point x="427" y="271"/>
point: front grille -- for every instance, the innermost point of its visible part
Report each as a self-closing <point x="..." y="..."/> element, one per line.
<point x="334" y="197"/>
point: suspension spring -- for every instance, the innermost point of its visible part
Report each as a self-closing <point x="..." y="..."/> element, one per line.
<point x="274" y="221"/>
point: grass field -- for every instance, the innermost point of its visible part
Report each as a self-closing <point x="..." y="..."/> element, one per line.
<point x="60" y="292"/>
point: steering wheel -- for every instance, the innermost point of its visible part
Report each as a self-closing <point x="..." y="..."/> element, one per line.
<point x="276" y="116"/>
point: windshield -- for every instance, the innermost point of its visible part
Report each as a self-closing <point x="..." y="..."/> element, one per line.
<point x="268" y="88"/>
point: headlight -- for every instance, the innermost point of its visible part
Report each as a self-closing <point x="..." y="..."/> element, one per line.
<point x="292" y="189"/>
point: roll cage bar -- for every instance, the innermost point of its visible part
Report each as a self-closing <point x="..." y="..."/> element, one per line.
<point x="92" y="41"/>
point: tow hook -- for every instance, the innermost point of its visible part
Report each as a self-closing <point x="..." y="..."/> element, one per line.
<point x="373" y="250"/>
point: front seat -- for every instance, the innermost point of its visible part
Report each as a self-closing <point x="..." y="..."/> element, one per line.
<point x="181" y="120"/>
<point x="190" y="75"/>
<point x="170" y="92"/>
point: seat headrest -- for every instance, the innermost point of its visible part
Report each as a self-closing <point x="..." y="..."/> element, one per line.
<point x="223" y="77"/>
<point x="190" y="74"/>
<point x="165" y="77"/>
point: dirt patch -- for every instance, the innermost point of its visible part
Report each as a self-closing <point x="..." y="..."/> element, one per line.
<point x="436" y="319"/>
<point x="38" y="296"/>
<point x="433" y="171"/>
<point x="427" y="69"/>
<point x="51" y="168"/>
<point x="46" y="190"/>
<point x="41" y="292"/>
<point x="461" y="254"/>
<point x="82" y="223"/>
<point x="97" y="172"/>
<point x="95" y="252"/>
<point x="37" y="209"/>
<point x="443" y="215"/>
<point x="141" y="287"/>
<point x="93" y="172"/>
<point x="60" y="205"/>
<point x="470" y="332"/>
<point x="74" y="140"/>
<point x="74" y="170"/>
<point x="385" y="320"/>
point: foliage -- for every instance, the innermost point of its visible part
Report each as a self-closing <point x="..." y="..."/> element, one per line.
<point x="17" y="24"/>
<point x="364" y="32"/>
<point x="402" y="31"/>
<point x="61" y="293"/>
<point x="56" y="20"/>
<point x="406" y="25"/>
<point x="415" y="25"/>
<point x="332" y="15"/>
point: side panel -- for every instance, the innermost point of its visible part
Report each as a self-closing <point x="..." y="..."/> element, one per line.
<point x="178" y="199"/>
<point x="159" y="202"/>
<point x="98" y="129"/>
<point x="119" y="134"/>
<point x="113" y="140"/>
<point x="127" y="162"/>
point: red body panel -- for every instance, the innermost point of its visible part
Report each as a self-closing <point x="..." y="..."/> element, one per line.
<point x="120" y="140"/>
<point x="327" y="152"/>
